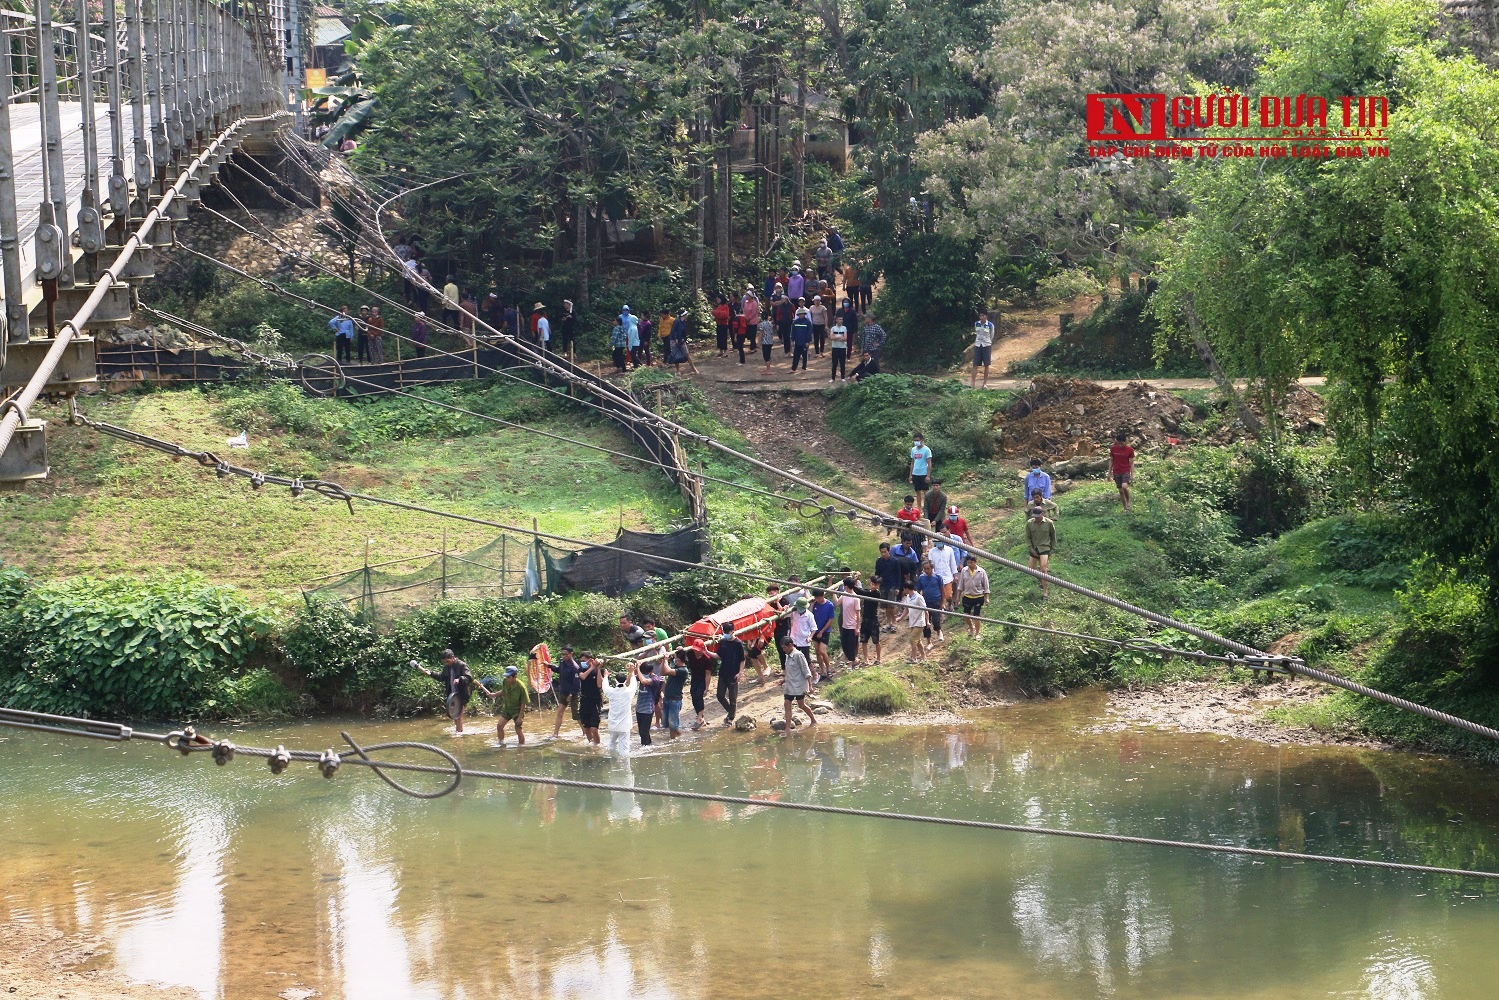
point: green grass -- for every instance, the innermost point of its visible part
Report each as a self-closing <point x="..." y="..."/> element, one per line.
<point x="111" y="507"/>
<point x="873" y="690"/>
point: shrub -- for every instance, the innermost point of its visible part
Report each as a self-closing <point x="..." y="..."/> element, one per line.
<point x="255" y="695"/>
<point x="1046" y="664"/>
<point x="154" y="648"/>
<point x="1442" y="656"/>
<point x="1193" y="534"/>
<point x="930" y="297"/>
<point x="14" y="585"/>
<point x="870" y="689"/>
<point x="878" y="416"/>
<point x="1066" y="284"/>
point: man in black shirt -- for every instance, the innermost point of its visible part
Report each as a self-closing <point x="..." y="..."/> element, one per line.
<point x="565" y="686"/>
<point x="887" y="570"/>
<point x="591" y="696"/>
<point x="700" y="660"/>
<point x="458" y="685"/>
<point x="869" y="618"/>
<point x="567" y="328"/>
<point x="731" y="657"/>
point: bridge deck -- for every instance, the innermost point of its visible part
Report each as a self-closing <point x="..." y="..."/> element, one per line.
<point x="26" y="142"/>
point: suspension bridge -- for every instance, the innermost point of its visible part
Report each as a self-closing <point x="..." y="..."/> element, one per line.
<point x="112" y="120"/>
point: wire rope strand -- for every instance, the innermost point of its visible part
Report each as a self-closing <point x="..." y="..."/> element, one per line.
<point x="189" y="742"/>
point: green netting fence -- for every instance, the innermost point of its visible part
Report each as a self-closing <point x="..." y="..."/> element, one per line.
<point x="508" y="567"/>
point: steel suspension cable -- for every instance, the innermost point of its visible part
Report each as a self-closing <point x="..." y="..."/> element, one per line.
<point x="331" y="490"/>
<point x="188" y="742"/>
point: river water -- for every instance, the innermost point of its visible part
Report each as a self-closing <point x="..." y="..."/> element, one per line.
<point x="231" y="882"/>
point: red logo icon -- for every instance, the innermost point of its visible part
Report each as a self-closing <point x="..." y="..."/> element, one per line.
<point x="1116" y="117"/>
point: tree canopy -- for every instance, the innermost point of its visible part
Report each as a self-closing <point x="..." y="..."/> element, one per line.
<point x="1382" y="271"/>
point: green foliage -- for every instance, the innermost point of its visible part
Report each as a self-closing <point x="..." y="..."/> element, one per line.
<point x="1204" y="507"/>
<point x="1048" y="665"/>
<point x="133" y="648"/>
<point x="879" y="415"/>
<point x="874" y="690"/>
<point x="1065" y="284"/>
<point x="1368" y="550"/>
<point x="14" y="585"/>
<point x="930" y="298"/>
<point x="1192" y="532"/>
<point x="1285" y="265"/>
<point x="255" y="695"/>
<point x="1442" y="656"/>
<point x="1117" y="339"/>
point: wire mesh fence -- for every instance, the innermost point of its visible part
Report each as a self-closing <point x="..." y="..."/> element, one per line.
<point x="508" y="567"/>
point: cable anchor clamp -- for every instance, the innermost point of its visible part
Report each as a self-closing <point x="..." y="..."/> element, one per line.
<point x="328" y="763"/>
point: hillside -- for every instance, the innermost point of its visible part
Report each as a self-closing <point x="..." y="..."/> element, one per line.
<point x="111" y="507"/>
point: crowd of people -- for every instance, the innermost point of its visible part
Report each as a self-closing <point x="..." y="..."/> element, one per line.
<point x="821" y="314"/>
<point x="801" y="312"/>
<point x="813" y="630"/>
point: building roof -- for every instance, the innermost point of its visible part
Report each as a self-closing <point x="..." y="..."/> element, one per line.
<point x="329" y="31"/>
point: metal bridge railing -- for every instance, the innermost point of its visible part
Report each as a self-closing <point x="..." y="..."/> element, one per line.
<point x="104" y="108"/>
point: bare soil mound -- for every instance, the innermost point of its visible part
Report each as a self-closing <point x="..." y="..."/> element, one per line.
<point x="1061" y="418"/>
<point x="1301" y="411"/>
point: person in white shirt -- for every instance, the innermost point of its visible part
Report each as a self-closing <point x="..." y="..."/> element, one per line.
<point x="916" y="620"/>
<point x="973" y="588"/>
<point x="983" y="347"/>
<point x="803" y="624"/>
<point x="620" y="694"/>
<point x="944" y="559"/>
<point x="543" y="326"/>
<point x="798" y="683"/>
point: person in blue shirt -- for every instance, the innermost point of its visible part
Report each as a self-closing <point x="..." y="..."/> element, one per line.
<point x="823" y="611"/>
<point x="929" y="586"/>
<point x="801" y="337"/>
<point x="342" y="326"/>
<point x="645" y="701"/>
<point x="1036" y="480"/>
<point x="921" y="468"/>
<point x="908" y="558"/>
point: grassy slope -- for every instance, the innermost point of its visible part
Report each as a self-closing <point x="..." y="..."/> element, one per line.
<point x="111" y="507"/>
<point x="1288" y="588"/>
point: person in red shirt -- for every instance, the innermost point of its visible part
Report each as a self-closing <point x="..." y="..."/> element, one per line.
<point x="908" y="515"/>
<point x="955" y="525"/>
<point x="722" y="316"/>
<point x="1122" y="467"/>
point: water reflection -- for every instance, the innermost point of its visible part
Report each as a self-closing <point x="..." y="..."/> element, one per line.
<point x="230" y="882"/>
<point x="177" y="940"/>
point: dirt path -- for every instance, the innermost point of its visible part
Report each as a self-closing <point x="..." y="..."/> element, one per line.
<point x="788" y="423"/>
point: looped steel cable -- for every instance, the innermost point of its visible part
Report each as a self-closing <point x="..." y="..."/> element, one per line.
<point x="336" y="381"/>
<point x="14" y="404"/>
<point x="379" y="768"/>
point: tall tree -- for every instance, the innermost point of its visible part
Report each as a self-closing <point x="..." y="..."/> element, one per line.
<point x="1382" y="270"/>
